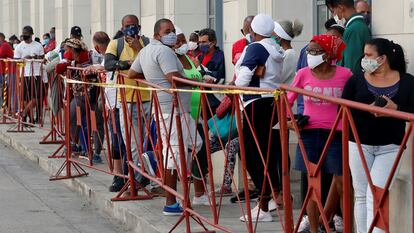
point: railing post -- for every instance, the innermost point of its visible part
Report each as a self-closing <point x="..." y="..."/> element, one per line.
<point x="347" y="201"/>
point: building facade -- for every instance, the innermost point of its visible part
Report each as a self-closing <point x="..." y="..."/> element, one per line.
<point x="391" y="19"/>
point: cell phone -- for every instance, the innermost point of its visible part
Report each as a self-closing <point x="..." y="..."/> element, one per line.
<point x="380" y="101"/>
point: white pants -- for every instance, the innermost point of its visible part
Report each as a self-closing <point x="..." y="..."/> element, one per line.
<point x="380" y="160"/>
<point x="189" y="131"/>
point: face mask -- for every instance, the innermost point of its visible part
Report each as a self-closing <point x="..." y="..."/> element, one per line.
<point x="340" y="22"/>
<point x="45" y="41"/>
<point x="276" y="40"/>
<point x="14" y="46"/>
<point x="131" y="30"/>
<point x="204" y="48"/>
<point x="169" y="39"/>
<point x="315" y="60"/>
<point x="248" y="38"/>
<point x="370" y="65"/>
<point x="26" y="37"/>
<point x="182" y="50"/>
<point x="367" y="19"/>
<point x="192" y="45"/>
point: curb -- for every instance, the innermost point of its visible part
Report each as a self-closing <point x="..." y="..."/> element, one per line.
<point x="101" y="200"/>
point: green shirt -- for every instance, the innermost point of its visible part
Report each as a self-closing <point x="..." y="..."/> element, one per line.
<point x="355" y="36"/>
<point x="193" y="73"/>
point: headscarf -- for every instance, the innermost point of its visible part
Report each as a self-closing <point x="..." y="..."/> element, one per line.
<point x="333" y="45"/>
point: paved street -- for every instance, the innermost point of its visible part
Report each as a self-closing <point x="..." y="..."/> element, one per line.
<point x="29" y="202"/>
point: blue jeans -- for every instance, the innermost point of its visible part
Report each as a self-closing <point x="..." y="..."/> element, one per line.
<point x="118" y="145"/>
<point x="380" y="160"/>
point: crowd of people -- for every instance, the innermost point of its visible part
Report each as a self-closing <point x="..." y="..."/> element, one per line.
<point x="345" y="62"/>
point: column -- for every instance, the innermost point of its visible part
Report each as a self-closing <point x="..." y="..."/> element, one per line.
<point x="34" y="18"/>
<point x="116" y="9"/>
<point x="23" y="14"/>
<point x="79" y="14"/>
<point x="9" y="18"/>
<point x="61" y="20"/>
<point x="98" y="16"/>
<point x="46" y="15"/>
<point x="151" y="11"/>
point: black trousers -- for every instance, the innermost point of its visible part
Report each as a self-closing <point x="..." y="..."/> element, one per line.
<point x="259" y="114"/>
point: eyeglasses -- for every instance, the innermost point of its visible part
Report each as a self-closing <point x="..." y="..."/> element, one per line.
<point x="315" y="51"/>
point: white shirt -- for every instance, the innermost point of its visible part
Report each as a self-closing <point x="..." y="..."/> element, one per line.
<point x="33" y="49"/>
<point x="110" y="93"/>
<point x="289" y="66"/>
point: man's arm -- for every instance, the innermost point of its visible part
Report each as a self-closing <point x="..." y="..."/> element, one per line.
<point x="112" y="63"/>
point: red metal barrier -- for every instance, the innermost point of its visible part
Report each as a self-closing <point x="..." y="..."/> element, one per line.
<point x="282" y="110"/>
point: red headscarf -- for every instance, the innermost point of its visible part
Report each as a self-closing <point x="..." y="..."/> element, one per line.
<point x="333" y="45"/>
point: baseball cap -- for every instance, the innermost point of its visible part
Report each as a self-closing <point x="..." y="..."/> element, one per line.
<point x="76" y="31"/>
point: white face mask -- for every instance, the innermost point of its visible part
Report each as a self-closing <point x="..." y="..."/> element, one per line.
<point x="340" y="22"/>
<point x="192" y="45"/>
<point x="248" y="38"/>
<point x="370" y="65"/>
<point x="315" y="60"/>
<point x="182" y="50"/>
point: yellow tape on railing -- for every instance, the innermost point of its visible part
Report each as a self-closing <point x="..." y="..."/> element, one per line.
<point x="275" y="93"/>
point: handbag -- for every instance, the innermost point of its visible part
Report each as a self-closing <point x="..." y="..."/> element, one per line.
<point x="224" y="107"/>
<point x="226" y="126"/>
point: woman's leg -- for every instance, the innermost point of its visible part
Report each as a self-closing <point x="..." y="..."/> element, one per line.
<point x="380" y="171"/>
<point x="360" y="183"/>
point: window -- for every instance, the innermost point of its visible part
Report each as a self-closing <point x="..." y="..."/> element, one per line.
<point x="215" y="19"/>
<point x="322" y="15"/>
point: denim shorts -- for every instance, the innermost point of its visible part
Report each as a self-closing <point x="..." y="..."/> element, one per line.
<point x="314" y="141"/>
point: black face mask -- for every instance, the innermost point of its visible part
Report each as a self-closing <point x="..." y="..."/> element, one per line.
<point x="26" y="37"/>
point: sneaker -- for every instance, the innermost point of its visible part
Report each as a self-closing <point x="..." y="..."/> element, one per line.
<point x="225" y="192"/>
<point x="150" y="163"/>
<point x="202" y="200"/>
<point x="304" y="225"/>
<point x="338" y="223"/>
<point x="254" y="195"/>
<point x="96" y="159"/>
<point x="117" y="184"/>
<point x="263" y="216"/>
<point x="272" y="205"/>
<point x="173" y="210"/>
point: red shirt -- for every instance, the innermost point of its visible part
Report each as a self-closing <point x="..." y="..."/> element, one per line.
<point x="50" y="46"/>
<point x="237" y="49"/>
<point x="6" y="51"/>
<point x="207" y="58"/>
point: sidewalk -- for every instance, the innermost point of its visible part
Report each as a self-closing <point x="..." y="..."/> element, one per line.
<point x="139" y="216"/>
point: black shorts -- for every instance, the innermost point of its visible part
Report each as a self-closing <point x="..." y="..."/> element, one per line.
<point x="32" y="88"/>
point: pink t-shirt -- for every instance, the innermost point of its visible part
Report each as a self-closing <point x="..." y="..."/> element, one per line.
<point x="322" y="113"/>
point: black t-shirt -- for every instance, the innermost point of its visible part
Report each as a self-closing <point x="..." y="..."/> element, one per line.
<point x="379" y="130"/>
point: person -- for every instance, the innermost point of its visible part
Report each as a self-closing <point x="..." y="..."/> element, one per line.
<point x="285" y="31"/>
<point x="158" y="63"/>
<point x="14" y="41"/>
<point x="101" y="41"/>
<point x="385" y="77"/>
<point x="238" y="46"/>
<point x="329" y="198"/>
<point x="51" y="45"/>
<point x="119" y="56"/>
<point x="362" y="7"/>
<point x="6" y="51"/>
<point x="212" y="65"/>
<point x="80" y="55"/>
<point x="199" y="165"/>
<point x="29" y="49"/>
<point x="322" y="77"/>
<point x="76" y="33"/>
<point x="356" y="32"/>
<point x="193" y="48"/>
<point x="46" y="39"/>
<point x="264" y="52"/>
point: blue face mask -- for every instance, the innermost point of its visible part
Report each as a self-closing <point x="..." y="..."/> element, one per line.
<point x="204" y="47"/>
<point x="45" y="41"/>
<point x="131" y="30"/>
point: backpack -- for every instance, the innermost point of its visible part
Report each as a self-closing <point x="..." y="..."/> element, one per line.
<point x="121" y="43"/>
